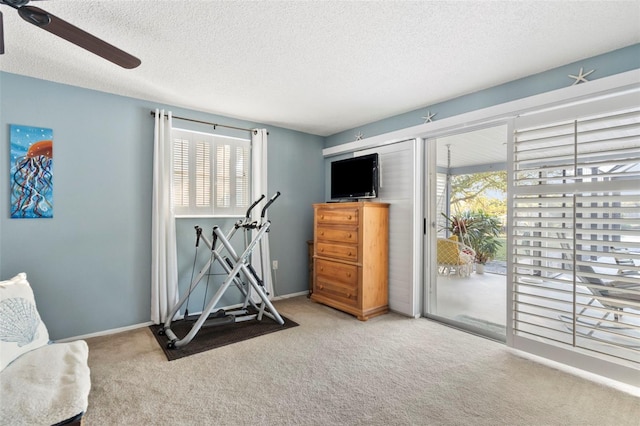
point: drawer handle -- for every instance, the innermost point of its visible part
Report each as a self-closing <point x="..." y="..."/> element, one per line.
<point x="349" y="254"/>
<point x="320" y="287"/>
<point x="349" y="274"/>
<point x="322" y="268"/>
<point x="321" y="216"/>
<point x="349" y="217"/>
<point x="348" y="234"/>
<point x="322" y="250"/>
<point x="322" y="233"/>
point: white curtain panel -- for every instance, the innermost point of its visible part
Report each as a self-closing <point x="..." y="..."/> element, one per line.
<point x="261" y="257"/>
<point x="164" y="264"/>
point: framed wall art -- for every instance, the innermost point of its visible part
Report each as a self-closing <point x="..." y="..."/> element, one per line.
<point x="31" y="172"/>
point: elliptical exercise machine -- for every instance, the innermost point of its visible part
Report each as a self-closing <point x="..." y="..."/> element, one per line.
<point x="236" y="266"/>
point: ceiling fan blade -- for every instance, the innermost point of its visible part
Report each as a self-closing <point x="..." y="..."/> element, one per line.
<point x="75" y="35"/>
<point x="1" y="35"/>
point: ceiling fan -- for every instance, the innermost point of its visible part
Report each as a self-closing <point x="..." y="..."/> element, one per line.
<point x="71" y="33"/>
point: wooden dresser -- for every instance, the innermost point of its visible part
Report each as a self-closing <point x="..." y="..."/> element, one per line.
<point x="350" y="257"/>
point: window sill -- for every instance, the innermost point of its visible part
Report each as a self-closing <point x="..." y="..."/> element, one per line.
<point x="204" y="216"/>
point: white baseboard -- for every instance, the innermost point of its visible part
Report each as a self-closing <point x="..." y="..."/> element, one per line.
<point x="605" y="381"/>
<point x="288" y="296"/>
<point x="147" y="324"/>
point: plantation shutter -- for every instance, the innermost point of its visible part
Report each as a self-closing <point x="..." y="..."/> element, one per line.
<point x="232" y="177"/>
<point x="242" y="166"/>
<point x="223" y="179"/>
<point x="211" y="174"/>
<point x="180" y="173"/>
<point x="575" y="228"/>
<point x="203" y="174"/>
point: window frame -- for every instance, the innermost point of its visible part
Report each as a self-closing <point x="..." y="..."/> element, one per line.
<point x="203" y="148"/>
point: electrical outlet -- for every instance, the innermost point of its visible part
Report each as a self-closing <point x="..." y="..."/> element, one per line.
<point x="275" y="265"/>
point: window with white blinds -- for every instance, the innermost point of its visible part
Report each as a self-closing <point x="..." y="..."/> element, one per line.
<point x="575" y="230"/>
<point x="211" y="174"/>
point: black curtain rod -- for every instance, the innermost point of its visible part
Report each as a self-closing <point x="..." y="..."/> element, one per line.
<point x="153" y="113"/>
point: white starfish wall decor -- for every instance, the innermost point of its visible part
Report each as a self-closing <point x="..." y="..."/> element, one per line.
<point x="581" y="77"/>
<point x="429" y="117"/>
<point x="359" y="136"/>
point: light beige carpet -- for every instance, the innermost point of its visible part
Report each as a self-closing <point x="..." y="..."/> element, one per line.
<point x="336" y="370"/>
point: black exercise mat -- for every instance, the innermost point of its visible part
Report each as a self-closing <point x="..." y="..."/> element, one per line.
<point x="214" y="337"/>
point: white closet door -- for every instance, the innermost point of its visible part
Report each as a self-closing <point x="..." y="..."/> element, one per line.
<point x="398" y="187"/>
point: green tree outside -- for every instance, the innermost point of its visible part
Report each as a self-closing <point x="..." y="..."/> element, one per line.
<point x="486" y="191"/>
<point x="480" y="191"/>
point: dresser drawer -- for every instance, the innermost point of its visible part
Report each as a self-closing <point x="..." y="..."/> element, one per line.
<point x="338" y="251"/>
<point x="335" y="271"/>
<point x="336" y="281"/>
<point x="336" y="292"/>
<point x="344" y="216"/>
<point x="339" y="234"/>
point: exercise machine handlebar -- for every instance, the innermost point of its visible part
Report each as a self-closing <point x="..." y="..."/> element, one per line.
<point x="253" y="205"/>
<point x="271" y="200"/>
<point x="198" y="235"/>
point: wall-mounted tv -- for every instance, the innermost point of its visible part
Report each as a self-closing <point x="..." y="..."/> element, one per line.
<point x="354" y="178"/>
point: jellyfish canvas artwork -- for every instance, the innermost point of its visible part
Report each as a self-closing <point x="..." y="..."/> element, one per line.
<point x="31" y="172"/>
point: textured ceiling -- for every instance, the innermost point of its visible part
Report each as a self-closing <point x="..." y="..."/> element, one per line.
<point x="316" y="66"/>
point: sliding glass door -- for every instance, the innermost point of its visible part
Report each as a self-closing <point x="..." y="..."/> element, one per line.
<point x="568" y="287"/>
<point x="465" y="274"/>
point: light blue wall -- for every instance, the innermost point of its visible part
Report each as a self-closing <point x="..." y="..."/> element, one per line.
<point x="615" y="62"/>
<point x="90" y="265"/>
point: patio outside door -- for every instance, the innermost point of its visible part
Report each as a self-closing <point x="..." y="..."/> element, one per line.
<point x="466" y="187"/>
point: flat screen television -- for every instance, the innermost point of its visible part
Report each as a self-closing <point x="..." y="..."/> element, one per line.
<point x="354" y="178"/>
